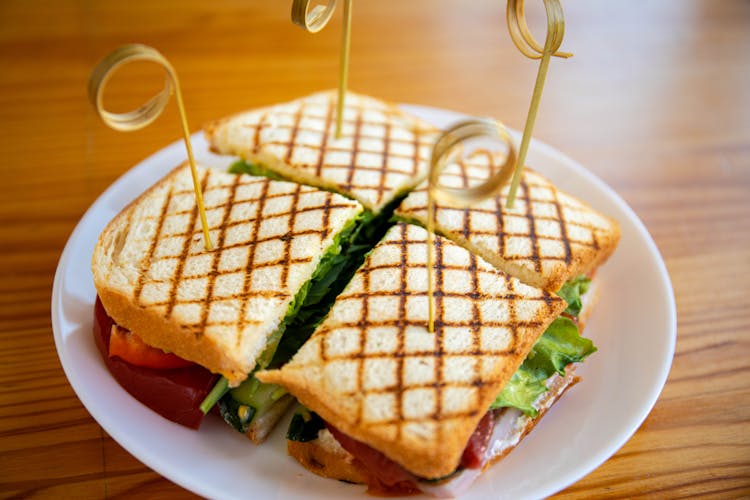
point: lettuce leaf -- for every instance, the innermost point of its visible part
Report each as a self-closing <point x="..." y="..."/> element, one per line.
<point x="571" y="293"/>
<point x="243" y="167"/>
<point x="560" y="345"/>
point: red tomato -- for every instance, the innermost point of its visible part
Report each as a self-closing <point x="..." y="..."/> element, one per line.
<point x="129" y="347"/>
<point x="174" y="394"/>
<point x="473" y="457"/>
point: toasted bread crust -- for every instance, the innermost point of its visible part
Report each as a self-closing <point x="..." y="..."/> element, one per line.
<point x="327" y="458"/>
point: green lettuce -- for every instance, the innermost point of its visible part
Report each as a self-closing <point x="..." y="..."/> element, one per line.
<point x="243" y="167"/>
<point x="571" y="293"/>
<point x="560" y="345"/>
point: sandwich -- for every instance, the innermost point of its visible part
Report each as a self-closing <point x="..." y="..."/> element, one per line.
<point x="313" y="293"/>
<point x="224" y="312"/>
<point x="390" y="404"/>
<point x="382" y="153"/>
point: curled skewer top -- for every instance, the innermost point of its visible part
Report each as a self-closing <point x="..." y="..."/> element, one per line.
<point x="315" y="19"/>
<point x="525" y="41"/>
<point x="446" y="149"/>
<point x="148" y="112"/>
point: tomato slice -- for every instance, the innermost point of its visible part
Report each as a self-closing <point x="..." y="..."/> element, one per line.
<point x="175" y="394"/>
<point x="473" y="457"/>
<point x="130" y="347"/>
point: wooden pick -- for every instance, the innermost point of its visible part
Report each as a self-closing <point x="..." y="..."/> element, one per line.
<point x="313" y="20"/>
<point x="446" y="149"/>
<point x="143" y="116"/>
<point x="524" y="40"/>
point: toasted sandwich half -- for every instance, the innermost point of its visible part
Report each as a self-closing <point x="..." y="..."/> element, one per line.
<point x="225" y="309"/>
<point x="382" y="153"/>
<point x="402" y="409"/>
<point x="547" y="239"/>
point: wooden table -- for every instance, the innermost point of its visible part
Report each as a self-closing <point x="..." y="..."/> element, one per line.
<point x="656" y="102"/>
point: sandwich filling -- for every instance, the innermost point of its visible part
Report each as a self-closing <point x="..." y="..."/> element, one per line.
<point x="541" y="379"/>
<point x="242" y="405"/>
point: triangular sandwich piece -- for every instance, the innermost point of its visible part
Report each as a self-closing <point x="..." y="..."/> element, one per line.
<point x="219" y="307"/>
<point x="383" y="152"/>
<point x="374" y="372"/>
<point x="547" y="239"/>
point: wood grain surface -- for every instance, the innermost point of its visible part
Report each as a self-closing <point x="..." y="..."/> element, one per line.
<point x="656" y="102"/>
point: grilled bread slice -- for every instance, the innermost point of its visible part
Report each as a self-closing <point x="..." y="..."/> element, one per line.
<point x="547" y="238"/>
<point x="382" y="152"/>
<point x="214" y="307"/>
<point x="373" y="370"/>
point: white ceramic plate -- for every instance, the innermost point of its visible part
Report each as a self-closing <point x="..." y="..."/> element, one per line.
<point x="633" y="325"/>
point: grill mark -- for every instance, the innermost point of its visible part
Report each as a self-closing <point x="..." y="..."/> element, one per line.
<point x="500" y="226"/>
<point x="241" y="296"/>
<point x="354" y="152"/>
<point x="324" y="140"/>
<point x="479" y="296"/>
<point x="563" y="229"/>
<point x="290" y="230"/>
<point x="454" y="416"/>
<point x="293" y="133"/>
<point x="185" y="252"/>
<point x="529" y="215"/>
<point x="250" y="262"/>
<point x="439" y="320"/>
<point x="212" y="273"/>
<point x="336" y="149"/>
<point x="420" y="354"/>
<point x="362" y="325"/>
<point x="247" y="244"/>
<point x="465" y="212"/>
<point x="326" y="205"/>
<point x="513" y="322"/>
<point x="386" y="154"/>
<point x="216" y="257"/>
<point x="400" y="338"/>
<point x="326" y="219"/>
<point x="476" y="326"/>
<point x="431" y="385"/>
<point x="258" y="130"/>
<point x="406" y="323"/>
<point x="152" y="247"/>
